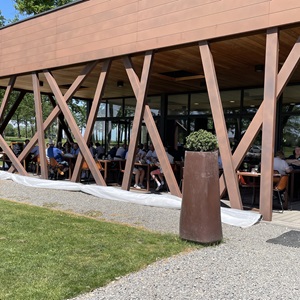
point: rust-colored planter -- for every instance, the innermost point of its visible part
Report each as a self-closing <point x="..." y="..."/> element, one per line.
<point x="200" y="218"/>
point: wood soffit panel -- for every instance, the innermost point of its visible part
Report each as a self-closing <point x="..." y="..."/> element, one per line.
<point x="179" y="70"/>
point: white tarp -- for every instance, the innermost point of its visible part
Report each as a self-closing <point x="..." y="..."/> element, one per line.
<point x="229" y="216"/>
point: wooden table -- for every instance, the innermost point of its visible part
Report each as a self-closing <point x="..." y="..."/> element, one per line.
<point x="106" y="163"/>
<point x="254" y="184"/>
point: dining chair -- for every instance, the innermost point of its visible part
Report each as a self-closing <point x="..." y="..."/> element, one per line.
<point x="55" y="168"/>
<point x="85" y="168"/>
<point x="280" y="189"/>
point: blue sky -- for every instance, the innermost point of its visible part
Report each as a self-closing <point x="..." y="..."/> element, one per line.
<point x="7" y="9"/>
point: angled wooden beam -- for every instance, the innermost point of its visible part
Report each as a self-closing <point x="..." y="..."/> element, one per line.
<point x="155" y="138"/>
<point x="39" y="125"/>
<point x="84" y="149"/>
<point x="8" y="91"/>
<point x="93" y="114"/>
<point x="140" y="93"/>
<point x="269" y="122"/>
<point x="10" y="154"/>
<point x="12" y="110"/>
<point x="254" y="127"/>
<point x="68" y="95"/>
<point x="161" y="153"/>
<point x="220" y="125"/>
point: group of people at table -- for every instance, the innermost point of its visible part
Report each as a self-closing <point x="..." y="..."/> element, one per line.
<point x="144" y="155"/>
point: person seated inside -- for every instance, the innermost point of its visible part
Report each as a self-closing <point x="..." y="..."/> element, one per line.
<point x="75" y="149"/>
<point x="280" y="164"/>
<point x="57" y="154"/>
<point x="92" y="148"/>
<point x="121" y="152"/>
<point x="67" y="147"/>
<point x="138" y="171"/>
<point x="157" y="175"/>
<point x="112" y="152"/>
<point x="100" y="151"/>
<point x="151" y="154"/>
<point x="294" y="159"/>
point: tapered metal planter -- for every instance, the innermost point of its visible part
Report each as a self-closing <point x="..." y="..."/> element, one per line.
<point x="200" y="218"/>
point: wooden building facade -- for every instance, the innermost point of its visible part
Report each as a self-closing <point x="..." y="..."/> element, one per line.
<point x="157" y="47"/>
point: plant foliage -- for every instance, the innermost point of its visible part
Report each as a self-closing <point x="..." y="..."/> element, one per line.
<point x="201" y="140"/>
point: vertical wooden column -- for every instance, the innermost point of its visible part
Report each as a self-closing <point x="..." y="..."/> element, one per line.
<point x="268" y="129"/>
<point x="220" y="126"/>
<point x="39" y="125"/>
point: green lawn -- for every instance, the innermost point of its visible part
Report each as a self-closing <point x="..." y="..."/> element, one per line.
<point x="47" y="254"/>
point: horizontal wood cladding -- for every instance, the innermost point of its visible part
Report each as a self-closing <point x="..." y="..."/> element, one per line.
<point x="97" y="29"/>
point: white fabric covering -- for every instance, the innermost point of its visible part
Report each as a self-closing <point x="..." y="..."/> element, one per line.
<point x="229" y="216"/>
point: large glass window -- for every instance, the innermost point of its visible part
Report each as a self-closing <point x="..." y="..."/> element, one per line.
<point x="102" y="110"/>
<point x="231" y="101"/>
<point x="154" y="104"/>
<point x="178" y="104"/>
<point x="115" y="108"/>
<point x="99" y="132"/>
<point x="291" y="99"/>
<point x="130" y="104"/>
<point x="252" y="99"/>
<point x="200" y="104"/>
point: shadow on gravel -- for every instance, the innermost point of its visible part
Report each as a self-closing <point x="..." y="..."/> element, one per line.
<point x="289" y="239"/>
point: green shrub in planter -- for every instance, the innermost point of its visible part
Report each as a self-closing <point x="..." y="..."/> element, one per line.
<point x="201" y="140"/>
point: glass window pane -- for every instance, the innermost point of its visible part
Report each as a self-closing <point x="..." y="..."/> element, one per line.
<point x="178" y="104"/>
<point x="200" y="104"/>
<point x="102" y="110"/>
<point x="290" y="134"/>
<point x="114" y="108"/>
<point x="99" y="132"/>
<point x="130" y="104"/>
<point x="291" y="99"/>
<point x="154" y="104"/>
<point x="252" y="99"/>
<point x="231" y="101"/>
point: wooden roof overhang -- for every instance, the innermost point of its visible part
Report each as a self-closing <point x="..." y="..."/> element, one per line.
<point x="225" y="56"/>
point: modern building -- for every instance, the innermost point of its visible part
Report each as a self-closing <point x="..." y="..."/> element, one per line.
<point x="157" y="70"/>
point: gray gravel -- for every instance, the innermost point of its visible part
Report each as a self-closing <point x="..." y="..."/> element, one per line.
<point x="244" y="266"/>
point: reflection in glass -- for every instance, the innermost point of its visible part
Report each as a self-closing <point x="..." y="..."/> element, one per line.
<point x="114" y="108"/>
<point x="200" y="104"/>
<point x="99" y="132"/>
<point x="129" y="109"/>
<point x="290" y="134"/>
<point x="178" y="104"/>
<point x="291" y="99"/>
<point x="102" y="110"/>
<point x="231" y="101"/>
<point x="253" y="99"/>
<point x="154" y="104"/>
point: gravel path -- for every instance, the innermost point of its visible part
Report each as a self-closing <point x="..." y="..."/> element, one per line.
<point x="244" y="266"/>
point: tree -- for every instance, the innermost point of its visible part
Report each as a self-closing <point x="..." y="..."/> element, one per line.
<point x="29" y="7"/>
<point x="2" y="20"/>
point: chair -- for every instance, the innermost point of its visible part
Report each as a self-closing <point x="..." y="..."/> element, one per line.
<point x="55" y="168"/>
<point x="122" y="164"/>
<point x="279" y="190"/>
<point x="246" y="182"/>
<point x="85" y="168"/>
